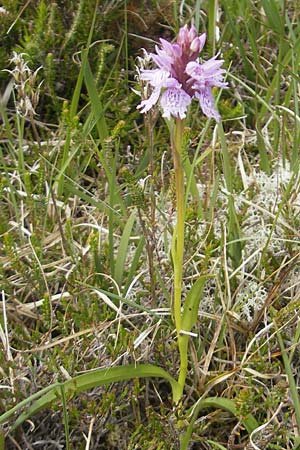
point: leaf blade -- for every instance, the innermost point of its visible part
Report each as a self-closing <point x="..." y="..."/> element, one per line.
<point x="122" y="250"/>
<point x="99" y="377"/>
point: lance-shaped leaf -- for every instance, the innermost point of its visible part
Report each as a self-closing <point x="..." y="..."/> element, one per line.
<point x="95" y="378"/>
<point x="249" y="422"/>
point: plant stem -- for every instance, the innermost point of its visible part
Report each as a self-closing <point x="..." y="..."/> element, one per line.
<point x="150" y="240"/>
<point x="183" y="342"/>
<point x="178" y="247"/>
<point x="178" y="237"/>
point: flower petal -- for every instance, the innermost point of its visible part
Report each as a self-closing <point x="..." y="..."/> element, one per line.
<point x="162" y="58"/>
<point x="175" y="102"/>
<point x="192" y="33"/>
<point x="202" y="39"/>
<point x="155" y="77"/>
<point x="183" y="35"/>
<point x="207" y="103"/>
<point x="207" y="74"/>
<point x="171" y="83"/>
<point x="212" y="64"/>
<point x="149" y="102"/>
<point x="173" y="50"/>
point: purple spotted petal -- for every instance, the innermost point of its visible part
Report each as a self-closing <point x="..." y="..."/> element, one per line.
<point x="175" y="102"/>
<point x="155" y="77"/>
<point x="207" y="103"/>
<point x="207" y="74"/>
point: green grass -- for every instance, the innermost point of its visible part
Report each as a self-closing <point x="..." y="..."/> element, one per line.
<point x="87" y="198"/>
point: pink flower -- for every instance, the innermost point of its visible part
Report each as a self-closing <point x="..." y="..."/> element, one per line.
<point x="179" y="77"/>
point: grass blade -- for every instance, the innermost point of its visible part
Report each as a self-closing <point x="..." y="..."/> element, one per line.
<point x="134" y="264"/>
<point x="75" y="100"/>
<point x="122" y="251"/>
<point x="212" y="16"/>
<point x="234" y="236"/>
<point x="273" y="15"/>
<point x="291" y="380"/>
<point x="96" y="105"/>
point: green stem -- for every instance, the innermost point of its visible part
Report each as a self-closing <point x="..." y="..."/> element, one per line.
<point x="178" y="247"/>
<point x="183" y="342"/>
<point x="178" y="237"/>
<point x="212" y="19"/>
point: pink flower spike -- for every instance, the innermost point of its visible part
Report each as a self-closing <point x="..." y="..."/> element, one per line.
<point x="178" y="77"/>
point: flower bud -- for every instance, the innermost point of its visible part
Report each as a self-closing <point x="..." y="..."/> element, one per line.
<point x="202" y="40"/>
<point x="183" y="35"/>
<point x="195" y="45"/>
<point x="192" y="34"/>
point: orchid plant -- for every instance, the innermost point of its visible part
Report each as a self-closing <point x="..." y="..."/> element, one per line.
<point x="177" y="77"/>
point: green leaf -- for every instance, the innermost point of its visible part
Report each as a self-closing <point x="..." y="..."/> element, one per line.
<point x="188" y="169"/>
<point x="188" y="320"/>
<point x="96" y="105"/>
<point x="234" y="235"/>
<point x="273" y="15"/>
<point x="122" y="251"/>
<point x="134" y="264"/>
<point x="99" y="377"/>
<point x="249" y="422"/>
<point x="191" y="304"/>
